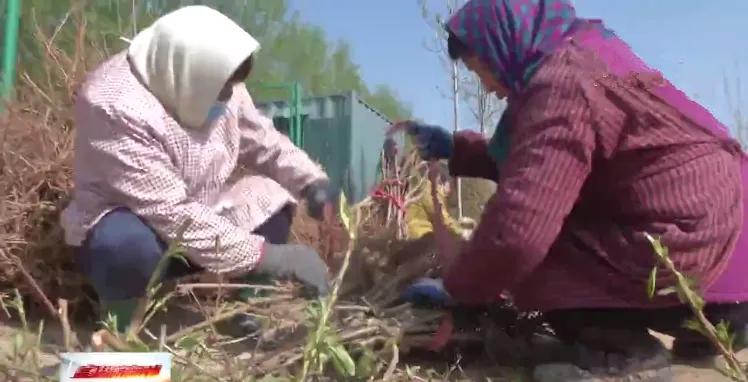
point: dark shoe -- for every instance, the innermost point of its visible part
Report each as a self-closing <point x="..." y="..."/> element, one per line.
<point x="246" y="293"/>
<point x="694" y="348"/>
<point x="693" y="351"/>
<point x="565" y="372"/>
<point x="244" y="324"/>
<point x="241" y="325"/>
<point x="248" y="324"/>
<point x="610" y="355"/>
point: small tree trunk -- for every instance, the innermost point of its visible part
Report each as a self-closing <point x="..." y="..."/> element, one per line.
<point x="455" y="110"/>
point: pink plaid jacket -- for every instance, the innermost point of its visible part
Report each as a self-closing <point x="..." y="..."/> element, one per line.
<point x="129" y="152"/>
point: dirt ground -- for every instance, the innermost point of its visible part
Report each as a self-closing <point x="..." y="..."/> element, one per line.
<point x="470" y="369"/>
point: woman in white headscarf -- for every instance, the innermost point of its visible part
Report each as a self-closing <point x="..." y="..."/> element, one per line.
<point x="160" y="128"/>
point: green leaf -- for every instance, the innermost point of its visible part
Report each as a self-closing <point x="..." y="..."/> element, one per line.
<point x="18" y="342"/>
<point x="188" y="343"/>
<point x="39" y="334"/>
<point x="723" y="333"/>
<point x="667" y="291"/>
<point x="691" y="282"/>
<point x="652" y="283"/>
<point x="341" y="360"/>
<point x="660" y="250"/>
<point x="344" y="212"/>
<point x="137" y="346"/>
<point x="180" y="256"/>
<point x="412" y="371"/>
<point x="697" y="301"/>
<point x="693" y="325"/>
<point x="682" y="295"/>
<point x="366" y="365"/>
<point x="323" y="358"/>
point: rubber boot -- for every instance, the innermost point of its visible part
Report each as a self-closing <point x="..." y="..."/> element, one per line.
<point x="121" y="310"/>
<point x="247" y="293"/>
<point x="246" y="324"/>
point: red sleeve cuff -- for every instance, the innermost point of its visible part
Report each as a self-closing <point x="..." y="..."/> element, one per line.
<point x="467" y="286"/>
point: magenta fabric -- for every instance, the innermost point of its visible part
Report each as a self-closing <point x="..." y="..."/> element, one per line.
<point x="589" y="155"/>
<point x="597" y="163"/>
<point x="623" y="62"/>
<point x="733" y="284"/>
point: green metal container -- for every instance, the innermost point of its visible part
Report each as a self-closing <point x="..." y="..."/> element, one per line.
<point x="10" y="15"/>
<point x="343" y="133"/>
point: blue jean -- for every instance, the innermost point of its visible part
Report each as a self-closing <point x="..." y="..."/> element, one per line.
<point x="121" y="253"/>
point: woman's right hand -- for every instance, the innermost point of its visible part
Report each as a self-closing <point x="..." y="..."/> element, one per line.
<point x="426" y="291"/>
<point x="300" y="262"/>
<point x="433" y="142"/>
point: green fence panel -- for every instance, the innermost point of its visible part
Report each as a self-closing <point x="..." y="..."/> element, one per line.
<point x="368" y="128"/>
<point x="326" y="140"/>
<point x="9" y="39"/>
<point x="343" y="134"/>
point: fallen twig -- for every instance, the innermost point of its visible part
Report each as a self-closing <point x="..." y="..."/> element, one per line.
<point x="34" y="285"/>
<point x="183" y="288"/>
<point x="69" y="339"/>
<point x="221" y="317"/>
<point x="393" y="363"/>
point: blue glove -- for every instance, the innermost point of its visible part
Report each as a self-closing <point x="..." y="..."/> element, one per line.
<point x="433" y="142"/>
<point x="427" y="291"/>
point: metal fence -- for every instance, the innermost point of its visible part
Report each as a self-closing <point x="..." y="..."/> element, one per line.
<point x="10" y="17"/>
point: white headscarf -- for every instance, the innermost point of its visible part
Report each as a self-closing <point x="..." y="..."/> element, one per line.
<point x="186" y="57"/>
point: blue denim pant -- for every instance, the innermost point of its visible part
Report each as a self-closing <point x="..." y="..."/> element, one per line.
<point x="121" y="253"/>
